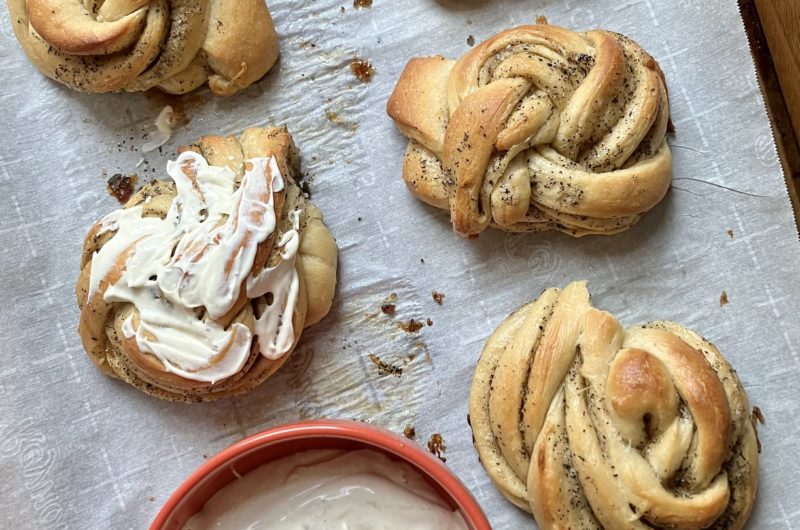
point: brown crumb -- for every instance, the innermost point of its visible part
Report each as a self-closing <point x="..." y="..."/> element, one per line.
<point x="437" y="447"/>
<point x="388" y="307"/>
<point x="341" y="9"/>
<point x="409" y="431"/>
<point x="438" y="297"/>
<point x="757" y="417"/>
<point x="305" y="189"/>
<point x="334" y="117"/>
<point x="429" y="322"/>
<point x="729" y="232"/>
<point x="470" y="40"/>
<point x="385" y="368"/>
<point x="541" y="19"/>
<point x="121" y="186"/>
<point x="151" y="498"/>
<point x="362" y="4"/>
<point x="362" y="69"/>
<point x="412" y="326"/>
<point x="723" y="299"/>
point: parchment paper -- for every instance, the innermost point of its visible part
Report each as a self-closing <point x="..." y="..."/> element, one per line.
<point x="80" y="450"/>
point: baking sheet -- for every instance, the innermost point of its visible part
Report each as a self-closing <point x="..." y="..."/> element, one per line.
<point x="79" y="450"/>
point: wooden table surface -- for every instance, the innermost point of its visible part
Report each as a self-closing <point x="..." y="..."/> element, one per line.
<point x="773" y="27"/>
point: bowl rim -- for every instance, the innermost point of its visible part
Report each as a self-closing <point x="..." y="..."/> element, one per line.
<point x="352" y="430"/>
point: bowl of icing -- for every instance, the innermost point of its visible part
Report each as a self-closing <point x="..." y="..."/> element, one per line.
<point x="294" y="470"/>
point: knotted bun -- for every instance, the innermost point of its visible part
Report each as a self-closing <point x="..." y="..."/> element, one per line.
<point x="537" y="128"/>
<point x="135" y="45"/>
<point x="296" y="258"/>
<point x="589" y="425"/>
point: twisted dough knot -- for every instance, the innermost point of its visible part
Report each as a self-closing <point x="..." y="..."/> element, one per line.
<point x="135" y="45"/>
<point x="588" y="425"/>
<point x="537" y="128"/>
<point x="200" y="288"/>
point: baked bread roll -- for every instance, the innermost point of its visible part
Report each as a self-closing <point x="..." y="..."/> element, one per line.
<point x="134" y="45"/>
<point x="537" y="128"/>
<point x="589" y="425"/>
<point x="200" y="287"/>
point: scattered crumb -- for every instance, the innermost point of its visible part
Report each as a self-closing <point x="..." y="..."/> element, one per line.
<point x="362" y="69"/>
<point x="412" y="326"/>
<point x="469" y="22"/>
<point x="437" y="447"/>
<point x="429" y="322"/>
<point x="362" y="4"/>
<point x="121" y="186"/>
<point x="341" y="9"/>
<point x="437" y="297"/>
<point x="151" y="498"/>
<point x="182" y="105"/>
<point x="385" y="368"/>
<point x="470" y="40"/>
<point x="758" y="415"/>
<point x="334" y="117"/>
<point x="541" y="19"/>
<point x="409" y="432"/>
<point x="421" y="260"/>
<point x="723" y="299"/>
<point x="388" y="307"/>
<point x="205" y="456"/>
<point x="305" y="189"/>
<point x="729" y="232"/>
<point x="359" y="219"/>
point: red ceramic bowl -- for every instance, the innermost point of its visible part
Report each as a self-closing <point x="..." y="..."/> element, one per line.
<point x="275" y="443"/>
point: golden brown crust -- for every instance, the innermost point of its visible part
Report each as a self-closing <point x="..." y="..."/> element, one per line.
<point x="176" y="45"/>
<point x="538" y="127"/>
<point x="233" y="56"/>
<point x="589" y="425"/>
<point x="101" y="322"/>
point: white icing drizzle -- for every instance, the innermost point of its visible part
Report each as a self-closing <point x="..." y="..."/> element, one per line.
<point x="160" y="131"/>
<point x="276" y="334"/>
<point x="180" y="295"/>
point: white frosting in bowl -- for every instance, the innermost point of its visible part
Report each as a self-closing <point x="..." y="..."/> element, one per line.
<point x="329" y="489"/>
